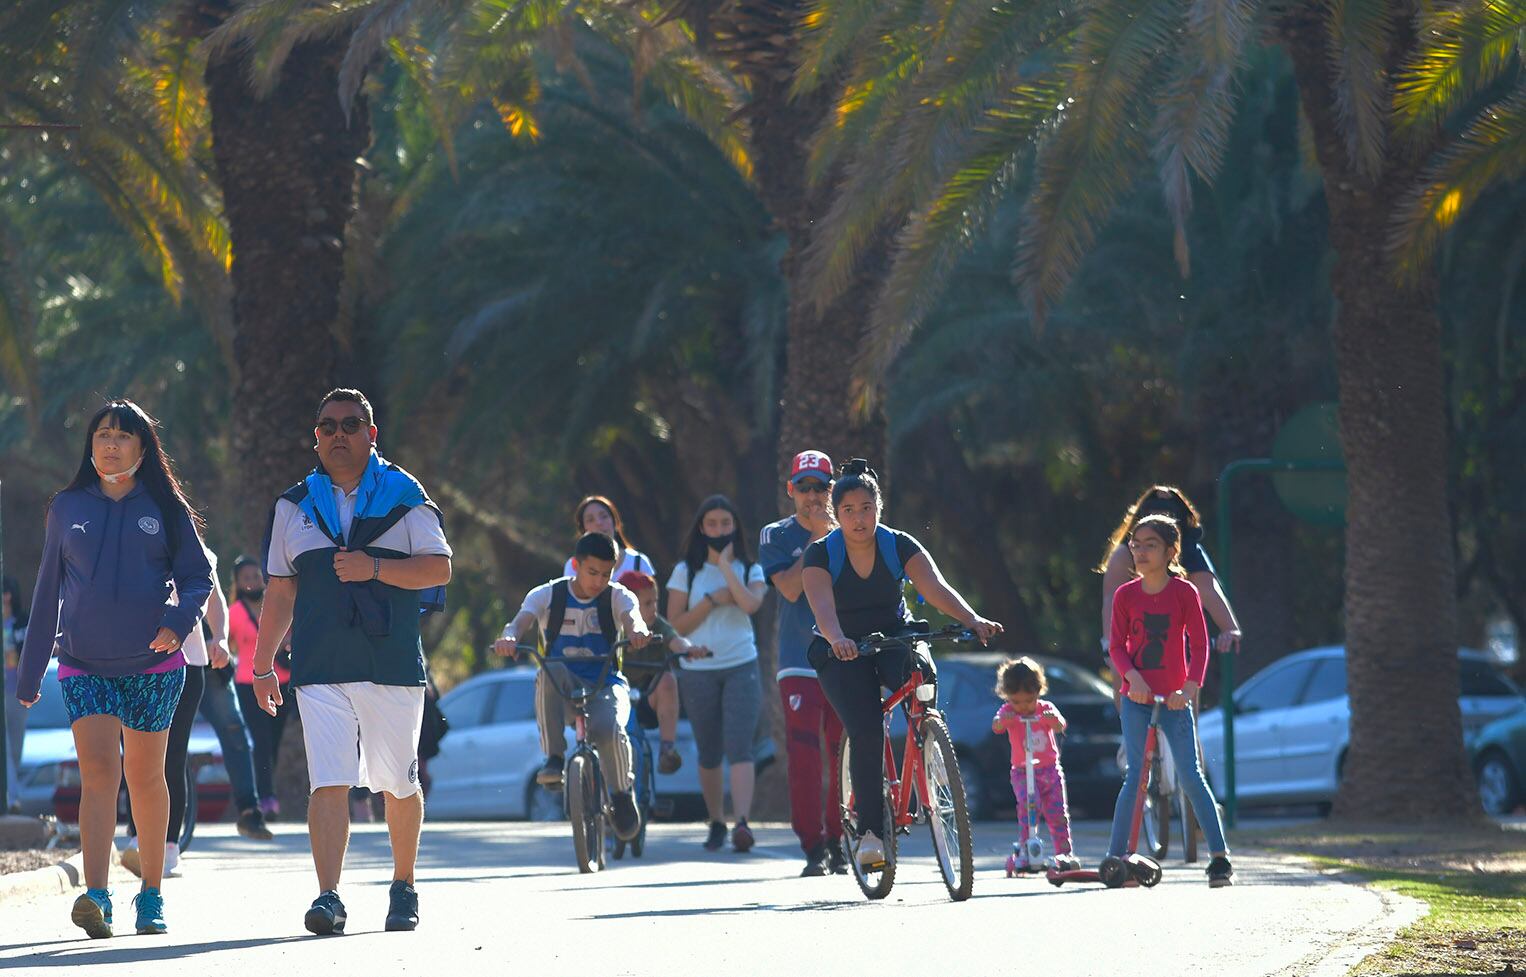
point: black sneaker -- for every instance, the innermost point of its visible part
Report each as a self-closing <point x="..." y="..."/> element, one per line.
<point x="550" y="775"/>
<point x="837" y="859"/>
<point x="402" y="907"/>
<point x="815" y="862"/>
<point x="717" y="839"/>
<point x="251" y="824"/>
<point x="742" y="838"/>
<point x="627" y="818"/>
<point x="1220" y="873"/>
<point x="326" y="915"/>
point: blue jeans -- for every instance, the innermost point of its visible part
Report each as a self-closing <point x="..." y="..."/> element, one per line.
<point x="219" y="706"/>
<point x="1177" y="727"/>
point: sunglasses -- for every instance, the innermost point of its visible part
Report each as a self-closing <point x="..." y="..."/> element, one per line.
<point x="810" y="485"/>
<point x="328" y="427"/>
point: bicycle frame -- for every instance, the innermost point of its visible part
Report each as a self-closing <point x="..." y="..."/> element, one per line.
<point x="911" y="761"/>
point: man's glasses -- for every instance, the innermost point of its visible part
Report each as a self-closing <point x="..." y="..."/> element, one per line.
<point x="810" y="485"/>
<point x="328" y="427"/>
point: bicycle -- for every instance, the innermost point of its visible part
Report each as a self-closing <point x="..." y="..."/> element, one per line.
<point x="1164" y="796"/>
<point x="588" y="801"/>
<point x="930" y="772"/>
<point x="644" y="764"/>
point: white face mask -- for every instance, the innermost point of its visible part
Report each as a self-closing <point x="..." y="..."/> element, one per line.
<point x="120" y="476"/>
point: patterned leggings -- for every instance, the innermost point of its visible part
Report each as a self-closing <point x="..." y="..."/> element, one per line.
<point x="1050" y="781"/>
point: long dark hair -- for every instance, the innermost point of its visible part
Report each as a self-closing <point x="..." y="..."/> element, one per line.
<point x="696" y="549"/>
<point x="1165" y="500"/>
<point x="1170" y="534"/>
<point x="614" y="515"/>
<point x="157" y="472"/>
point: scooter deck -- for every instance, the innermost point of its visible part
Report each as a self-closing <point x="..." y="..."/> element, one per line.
<point x="1058" y="879"/>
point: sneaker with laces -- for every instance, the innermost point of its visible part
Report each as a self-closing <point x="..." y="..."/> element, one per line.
<point x="251" y="824"/>
<point x="871" y="852"/>
<point x="668" y="760"/>
<point x="815" y="862"/>
<point x="741" y="837"/>
<point x="326" y="915"/>
<point x="717" y="837"/>
<point x="402" y="907"/>
<point x="627" y="818"/>
<point x="150" y="906"/>
<point x="837" y="859"/>
<point x="1220" y="872"/>
<point x="92" y="913"/>
<point x="550" y="775"/>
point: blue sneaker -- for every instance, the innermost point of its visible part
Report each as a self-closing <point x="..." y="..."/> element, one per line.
<point x="92" y="913"/>
<point x="150" y="906"/>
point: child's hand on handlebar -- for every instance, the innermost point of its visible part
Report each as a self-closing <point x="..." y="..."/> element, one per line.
<point x="506" y="647"/>
<point x="692" y="650"/>
<point x="1139" y="689"/>
<point x="1176" y="701"/>
<point x="640" y="639"/>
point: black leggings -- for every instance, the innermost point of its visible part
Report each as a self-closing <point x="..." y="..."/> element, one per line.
<point x="853" y="689"/>
<point x="177" y="774"/>
<point x="264" y="734"/>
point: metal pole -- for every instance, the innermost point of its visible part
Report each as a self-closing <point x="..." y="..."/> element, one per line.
<point x="5" y="746"/>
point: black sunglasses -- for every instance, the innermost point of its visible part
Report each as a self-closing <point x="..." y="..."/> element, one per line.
<point x="810" y="485"/>
<point x="328" y="427"/>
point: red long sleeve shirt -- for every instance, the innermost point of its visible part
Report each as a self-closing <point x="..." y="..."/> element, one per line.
<point x="1153" y="633"/>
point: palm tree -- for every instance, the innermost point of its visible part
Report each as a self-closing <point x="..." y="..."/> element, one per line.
<point x="1091" y="101"/>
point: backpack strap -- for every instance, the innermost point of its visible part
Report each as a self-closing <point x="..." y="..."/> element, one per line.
<point x="837" y="553"/>
<point x="557" y="614"/>
<point x="606" y="607"/>
<point x="888" y="553"/>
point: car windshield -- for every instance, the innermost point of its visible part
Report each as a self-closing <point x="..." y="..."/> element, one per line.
<point x="1069" y="680"/>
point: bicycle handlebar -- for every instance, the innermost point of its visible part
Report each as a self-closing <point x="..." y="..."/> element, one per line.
<point x="872" y="644"/>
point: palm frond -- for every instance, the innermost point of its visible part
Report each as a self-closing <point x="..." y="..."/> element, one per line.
<point x="829" y="29"/>
<point x="1085" y="165"/>
<point x="1360" y="35"/>
<point x="1463" y="48"/>
<point x="1490" y="150"/>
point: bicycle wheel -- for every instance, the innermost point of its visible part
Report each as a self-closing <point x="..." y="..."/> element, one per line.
<point x="1155" y="832"/>
<point x="875" y="883"/>
<point x="646" y="788"/>
<point x="584" y="810"/>
<point x="947" y="817"/>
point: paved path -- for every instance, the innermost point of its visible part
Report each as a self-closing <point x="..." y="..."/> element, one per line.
<point x="497" y="895"/>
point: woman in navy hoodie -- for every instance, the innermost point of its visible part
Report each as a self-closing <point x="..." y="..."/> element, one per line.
<point x="117" y="537"/>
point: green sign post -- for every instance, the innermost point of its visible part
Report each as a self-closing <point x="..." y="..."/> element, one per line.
<point x="1308" y="471"/>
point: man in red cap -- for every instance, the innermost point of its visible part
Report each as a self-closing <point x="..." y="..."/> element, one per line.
<point x="812" y="730"/>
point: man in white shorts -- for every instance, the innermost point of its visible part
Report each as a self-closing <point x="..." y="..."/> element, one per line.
<point x="355" y="553"/>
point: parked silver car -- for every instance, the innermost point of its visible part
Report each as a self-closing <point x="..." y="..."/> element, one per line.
<point x="1293" y="723"/>
<point x="487" y="763"/>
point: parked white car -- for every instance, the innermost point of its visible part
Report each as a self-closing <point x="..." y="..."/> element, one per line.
<point x="487" y="762"/>
<point x="1293" y="723"/>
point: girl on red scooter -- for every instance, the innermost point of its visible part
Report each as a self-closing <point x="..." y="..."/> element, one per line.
<point x="1157" y="617"/>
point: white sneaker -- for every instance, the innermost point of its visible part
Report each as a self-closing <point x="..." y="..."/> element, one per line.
<point x="871" y="851"/>
<point x="171" y="857"/>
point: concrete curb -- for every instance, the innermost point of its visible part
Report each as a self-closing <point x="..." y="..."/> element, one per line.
<point x="39" y="882"/>
<point x="1351" y="948"/>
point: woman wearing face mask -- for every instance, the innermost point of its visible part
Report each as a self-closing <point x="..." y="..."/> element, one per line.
<point x="712" y="596"/>
<point x="264" y="729"/>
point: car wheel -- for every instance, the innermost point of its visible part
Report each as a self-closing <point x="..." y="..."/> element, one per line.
<point x="1497" y="786"/>
<point x="977" y="793"/>
<point x="542" y="804"/>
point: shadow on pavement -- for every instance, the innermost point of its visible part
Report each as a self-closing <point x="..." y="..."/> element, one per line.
<point x="122" y="951"/>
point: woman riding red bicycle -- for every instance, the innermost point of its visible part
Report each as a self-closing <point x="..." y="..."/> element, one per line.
<point x="853" y="578"/>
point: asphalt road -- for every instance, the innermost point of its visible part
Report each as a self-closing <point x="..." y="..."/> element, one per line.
<point x="503" y="897"/>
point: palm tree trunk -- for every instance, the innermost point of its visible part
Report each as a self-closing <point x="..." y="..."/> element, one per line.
<point x="1406" y="759"/>
<point x="823" y="400"/>
<point x="287" y="168"/>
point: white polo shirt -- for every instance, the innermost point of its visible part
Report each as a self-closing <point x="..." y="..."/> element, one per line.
<point x="419" y="533"/>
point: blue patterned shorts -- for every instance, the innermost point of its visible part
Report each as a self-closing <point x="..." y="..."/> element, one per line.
<point x="145" y="703"/>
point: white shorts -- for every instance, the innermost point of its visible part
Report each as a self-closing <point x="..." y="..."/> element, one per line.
<point x="360" y="734"/>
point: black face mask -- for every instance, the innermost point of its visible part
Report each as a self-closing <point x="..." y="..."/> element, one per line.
<point x="718" y="543"/>
<point x="251" y="593"/>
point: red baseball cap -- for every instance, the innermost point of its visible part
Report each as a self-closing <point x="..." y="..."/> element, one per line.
<point x="811" y="464"/>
